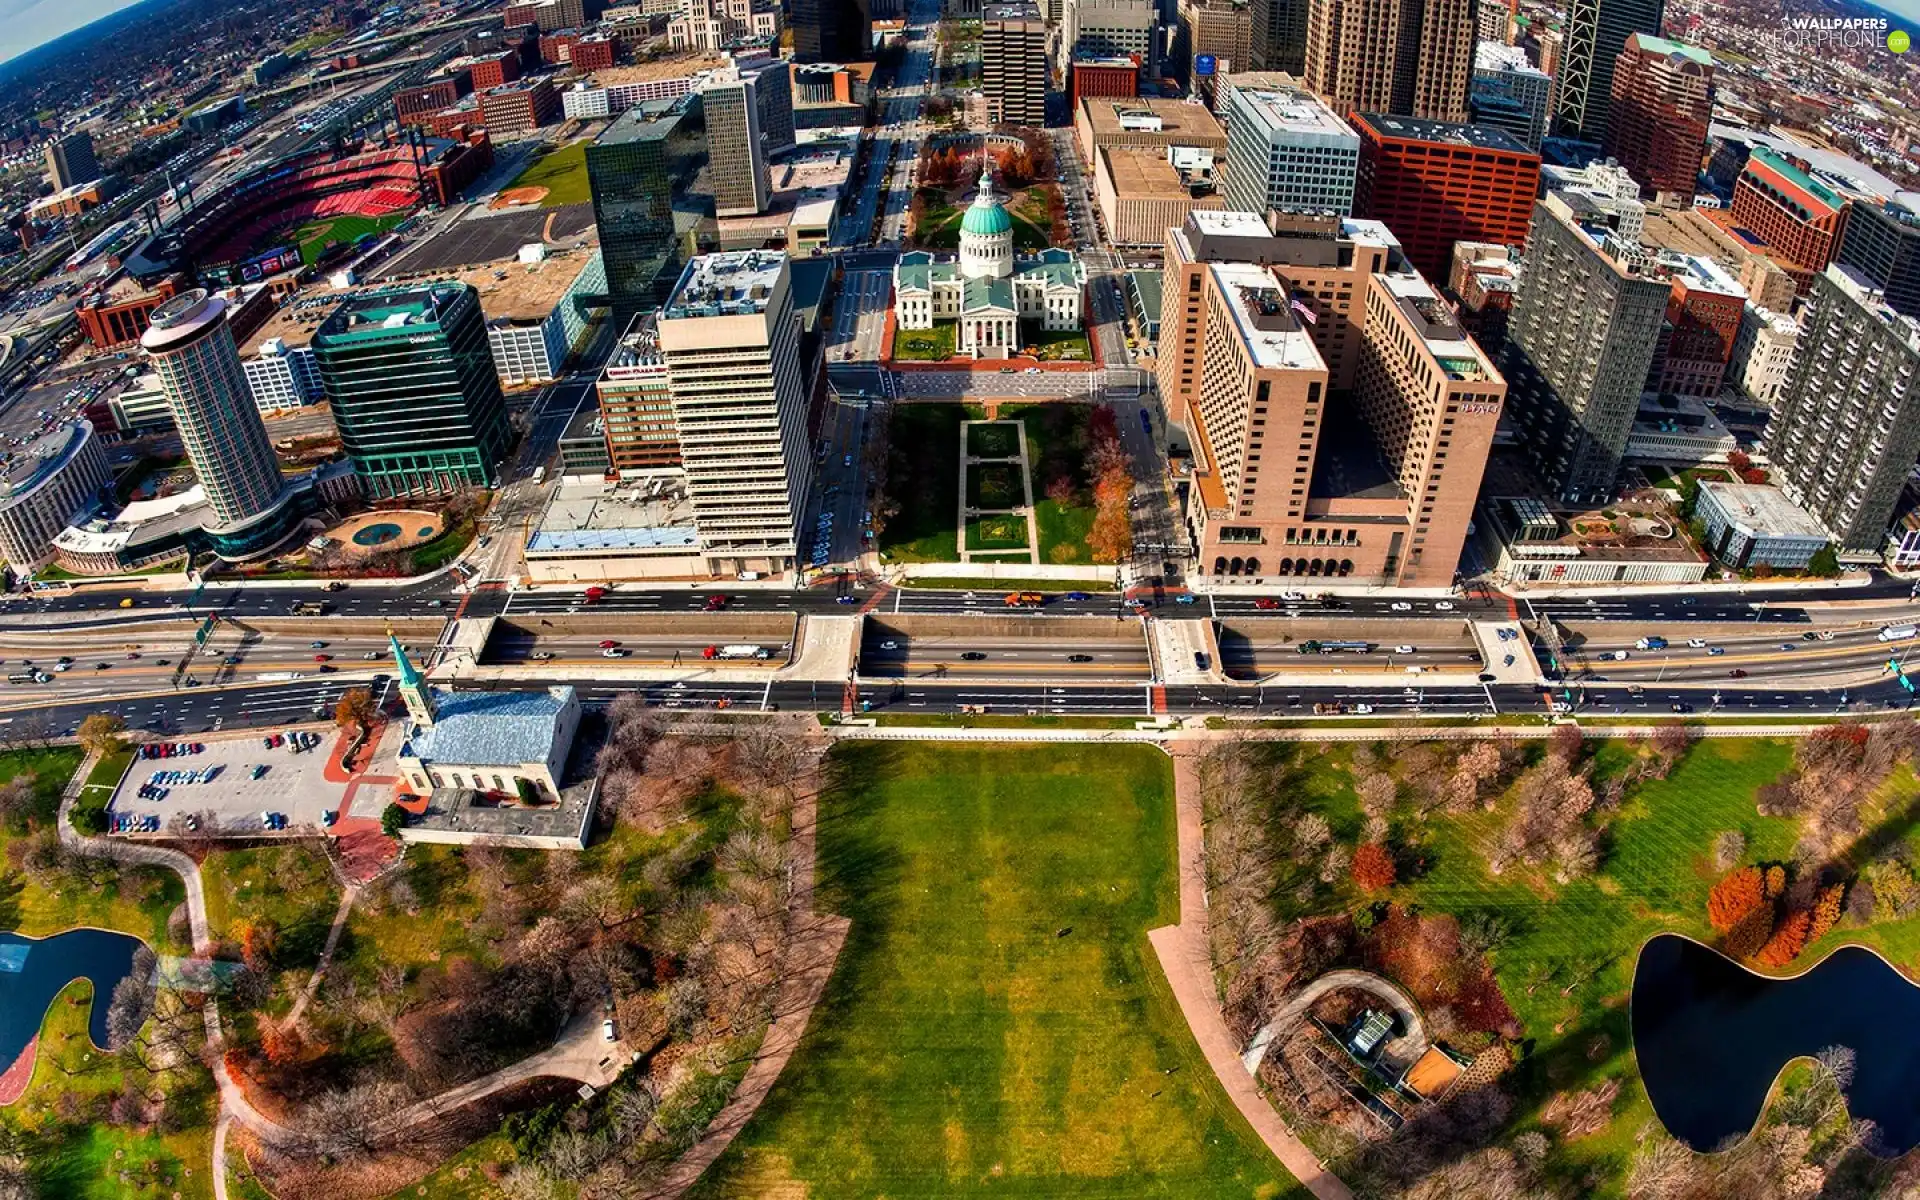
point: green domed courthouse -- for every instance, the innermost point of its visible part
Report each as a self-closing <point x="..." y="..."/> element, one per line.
<point x="988" y="289"/>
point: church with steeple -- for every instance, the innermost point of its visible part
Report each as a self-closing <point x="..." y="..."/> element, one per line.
<point x="989" y="290"/>
<point x="506" y="745"/>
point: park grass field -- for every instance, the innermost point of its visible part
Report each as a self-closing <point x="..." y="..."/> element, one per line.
<point x="923" y="478"/>
<point x="997" y="1024"/>
<point x="996" y="533"/>
<point x="1056" y="443"/>
<point x="926" y="345"/>
<point x="562" y="172"/>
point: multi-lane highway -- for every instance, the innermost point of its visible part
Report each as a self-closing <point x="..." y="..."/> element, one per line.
<point x="960" y="655"/>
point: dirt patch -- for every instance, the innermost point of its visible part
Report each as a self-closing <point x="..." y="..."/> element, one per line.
<point x="520" y="197"/>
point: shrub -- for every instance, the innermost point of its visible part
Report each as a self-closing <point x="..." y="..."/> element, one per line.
<point x="91" y="820"/>
<point x="1372" y="869"/>
<point x="1732" y="900"/>
<point x="392" y="819"/>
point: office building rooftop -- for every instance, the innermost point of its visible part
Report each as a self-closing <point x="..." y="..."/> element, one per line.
<point x="1498" y="56"/>
<point x="1449" y="133"/>
<point x="737" y="283"/>
<point x="1433" y="320"/>
<point x="1263" y="312"/>
<point x="648" y="121"/>
<point x="382" y="311"/>
<point x="1296" y="111"/>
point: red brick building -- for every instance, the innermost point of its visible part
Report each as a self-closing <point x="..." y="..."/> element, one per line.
<point x="1703" y="318"/>
<point x="443" y="179"/>
<point x="596" y="52"/>
<point x="1105" y="77"/>
<point x="1799" y="216"/>
<point x="518" y="107"/>
<point x="1435" y="183"/>
<point x="495" y="70"/>
<point x="415" y="104"/>
<point x="557" y="48"/>
<point x="1662" y="104"/>
<point x="110" y="320"/>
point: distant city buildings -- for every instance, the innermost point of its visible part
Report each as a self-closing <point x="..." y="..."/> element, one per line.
<point x="1594" y="33"/>
<point x="1287" y="150"/>
<point x="1278" y="36"/>
<point x="53" y="481"/>
<point x="1434" y="183"/>
<point x="749" y="116"/>
<point x="1404" y="57"/>
<point x="1786" y="206"/>
<point x="1662" y="103"/>
<point x="1845" y="433"/>
<point x="412" y="384"/>
<point x="1109" y="29"/>
<point x="831" y="30"/>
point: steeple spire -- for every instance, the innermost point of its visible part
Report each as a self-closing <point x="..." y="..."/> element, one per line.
<point x="412" y="684"/>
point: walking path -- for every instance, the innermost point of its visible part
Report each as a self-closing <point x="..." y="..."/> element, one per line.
<point x="326" y="957"/>
<point x="1184" y="957"/>
<point x="1407" y="1046"/>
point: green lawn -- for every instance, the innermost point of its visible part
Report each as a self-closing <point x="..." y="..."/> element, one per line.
<point x="1011" y="585"/>
<point x="78" y="1159"/>
<point x="290" y="886"/>
<point x="997" y="439"/>
<point x="316" y="236"/>
<point x="1060" y="346"/>
<point x="997" y="1023"/>
<point x="996" y="533"/>
<point x="431" y="556"/>
<point x="1056" y="449"/>
<point x="562" y="172"/>
<point x="923" y="478"/>
<point x="926" y="345"/>
<point x="994" y="485"/>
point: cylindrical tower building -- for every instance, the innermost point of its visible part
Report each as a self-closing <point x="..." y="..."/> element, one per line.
<point x="220" y="427"/>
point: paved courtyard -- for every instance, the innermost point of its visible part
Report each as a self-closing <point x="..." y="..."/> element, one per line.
<point x="299" y="786"/>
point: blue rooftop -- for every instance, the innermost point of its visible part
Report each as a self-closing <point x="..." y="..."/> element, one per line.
<point x="489" y="729"/>
<point x="663" y="537"/>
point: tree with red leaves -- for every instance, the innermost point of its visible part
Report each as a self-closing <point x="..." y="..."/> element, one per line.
<point x="1735" y="897"/>
<point x="1787" y="941"/>
<point x="1372" y="869"/>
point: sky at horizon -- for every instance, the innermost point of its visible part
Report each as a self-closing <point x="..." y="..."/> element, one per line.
<point x="25" y="24"/>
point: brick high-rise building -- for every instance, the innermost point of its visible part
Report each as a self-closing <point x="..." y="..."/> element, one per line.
<point x="1702" y="323"/>
<point x="1407" y="57"/>
<point x="1582" y="337"/>
<point x="495" y="69"/>
<point x="1799" y="216"/>
<point x="1662" y="104"/>
<point x="414" y="105"/>
<point x="636" y="405"/>
<point x="1591" y="41"/>
<point x="1220" y="31"/>
<point x="1294" y="475"/>
<point x="1013" y="56"/>
<point x="1105" y="77"/>
<point x="70" y="160"/>
<point x="1846" y="431"/>
<point x="1435" y="183"/>
<point x="518" y="107"/>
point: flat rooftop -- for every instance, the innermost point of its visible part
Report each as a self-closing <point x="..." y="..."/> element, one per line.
<point x="672" y="67"/>
<point x="389" y="309"/>
<point x="518" y="291"/>
<point x="1446" y="133"/>
<point x="1498" y="56"/>
<point x="1178" y="118"/>
<point x="1433" y="320"/>
<point x="649" y="514"/>
<point x="1265" y="318"/>
<point x="1297" y="111"/>
<point x="22" y="466"/>
<point x="1763" y="508"/>
<point x="1143" y="173"/>
<point x="648" y="121"/>
<point x="1222" y="222"/>
<point x="734" y="283"/>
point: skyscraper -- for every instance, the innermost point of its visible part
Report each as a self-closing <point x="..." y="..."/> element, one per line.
<point x="1013" y="55"/>
<point x="1596" y="32"/>
<point x="1435" y="183"/>
<point x="1510" y="93"/>
<point x="70" y="160"/>
<point x="220" y="428"/>
<point x="1407" y="57"/>
<point x="736" y="146"/>
<point x="1881" y="243"/>
<point x="1846" y="431"/>
<point x="1662" y="104"/>
<point x="633" y="171"/>
<point x="1287" y="150"/>
<point x="1582" y="337"/>
<point x="831" y="30"/>
<point x="413" y="388"/>
<point x="1279" y="35"/>
<point x="731" y="344"/>
<point x="1110" y="29"/>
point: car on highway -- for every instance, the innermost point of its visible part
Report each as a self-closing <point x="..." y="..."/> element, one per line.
<point x="1787" y="645"/>
<point x="133" y="654"/>
<point x="1616" y="656"/>
<point x="1266" y="603"/>
<point x="615" y="652"/>
<point x="316" y="645"/>
<point x="716" y="602"/>
<point x="1074" y="596"/>
<point x="1184" y="598"/>
<point x="1403" y="649"/>
<point x="1443" y="606"/>
<point x="608" y="644"/>
<point x="1291" y="595"/>
<point x="542" y="655"/>
<point x="1697" y="643"/>
<point x="1736" y="673"/>
<point x="1809" y="636"/>
<point x="1363" y="709"/>
<point x="846" y="600"/>
<point x="1080" y="658"/>
<point x="972" y="655"/>
<point x="1400" y="606"/>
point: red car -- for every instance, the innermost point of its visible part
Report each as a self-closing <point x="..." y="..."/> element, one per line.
<point x="716" y="603"/>
<point x="594" y="593"/>
<point x="1266" y="602"/>
<point x="608" y="644"/>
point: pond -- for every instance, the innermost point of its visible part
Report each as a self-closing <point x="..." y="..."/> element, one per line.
<point x="33" y="970"/>
<point x="1711" y="1036"/>
<point x="376" y="535"/>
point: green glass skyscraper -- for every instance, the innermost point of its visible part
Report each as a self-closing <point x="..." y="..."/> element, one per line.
<point x="632" y="170"/>
<point x="413" y="389"/>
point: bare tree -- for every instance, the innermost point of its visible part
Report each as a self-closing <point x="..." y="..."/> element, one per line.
<point x="344" y="1124"/>
<point x="132" y="1001"/>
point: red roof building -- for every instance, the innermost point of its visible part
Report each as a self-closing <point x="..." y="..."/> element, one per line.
<point x="1434" y="183"/>
<point x="1662" y="104"/>
<point x="1105" y="77"/>
<point x="1780" y="201"/>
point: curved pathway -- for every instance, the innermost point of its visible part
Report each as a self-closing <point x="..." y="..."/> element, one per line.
<point x="1407" y="1046"/>
<point x="1184" y="957"/>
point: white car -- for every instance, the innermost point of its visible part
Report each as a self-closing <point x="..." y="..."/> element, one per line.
<point x="1618" y="656"/>
<point x="1293" y="595"/>
<point x="613" y="652"/>
<point x="606" y="1030"/>
<point x="889" y="645"/>
<point x="1697" y="643"/>
<point x="1443" y="606"/>
<point x="1363" y="709"/>
<point x="1403" y="649"/>
<point x="1400" y="606"/>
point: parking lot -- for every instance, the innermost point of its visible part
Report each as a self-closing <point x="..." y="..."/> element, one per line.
<point x="294" y="785"/>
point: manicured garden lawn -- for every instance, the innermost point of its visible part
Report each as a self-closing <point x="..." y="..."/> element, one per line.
<point x="923" y="477"/>
<point x="1056" y="448"/>
<point x="1059" y="346"/>
<point x="1013" y="585"/>
<point x="99" y="1159"/>
<point x="431" y="556"/>
<point x="994" y="485"/>
<point x="995" y="440"/>
<point x="997" y="1023"/>
<point x="563" y="173"/>
<point x="926" y="345"/>
<point x="996" y="533"/>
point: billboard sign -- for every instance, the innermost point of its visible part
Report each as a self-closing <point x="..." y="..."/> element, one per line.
<point x="1203" y="64"/>
<point x="280" y="258"/>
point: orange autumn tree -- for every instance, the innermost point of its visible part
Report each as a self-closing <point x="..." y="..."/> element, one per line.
<point x="1372" y="868"/>
<point x="1826" y="910"/>
<point x="1787" y="941"/>
<point x="1737" y="896"/>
